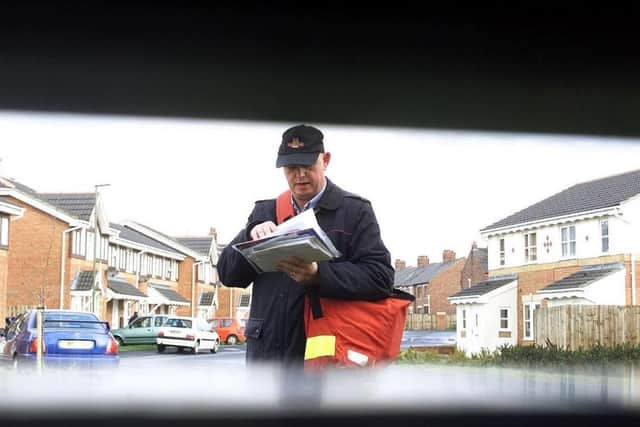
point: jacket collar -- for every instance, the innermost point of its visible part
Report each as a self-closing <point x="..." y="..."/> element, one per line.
<point x="332" y="197"/>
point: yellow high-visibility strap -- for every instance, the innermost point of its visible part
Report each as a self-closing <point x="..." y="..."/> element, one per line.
<point x="322" y="345"/>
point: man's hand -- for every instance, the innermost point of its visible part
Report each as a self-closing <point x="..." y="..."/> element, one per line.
<point x="303" y="272"/>
<point x="262" y="230"/>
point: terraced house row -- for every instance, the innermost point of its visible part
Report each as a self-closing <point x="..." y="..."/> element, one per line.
<point x="61" y="251"/>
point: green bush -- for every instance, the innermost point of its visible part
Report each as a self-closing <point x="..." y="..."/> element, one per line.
<point x="530" y="355"/>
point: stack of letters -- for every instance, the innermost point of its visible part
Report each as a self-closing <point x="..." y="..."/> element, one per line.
<point x="300" y="236"/>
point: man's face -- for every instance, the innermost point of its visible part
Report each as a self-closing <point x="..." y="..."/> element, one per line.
<point x="307" y="181"/>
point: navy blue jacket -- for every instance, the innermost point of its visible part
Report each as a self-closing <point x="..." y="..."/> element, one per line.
<point x="275" y="329"/>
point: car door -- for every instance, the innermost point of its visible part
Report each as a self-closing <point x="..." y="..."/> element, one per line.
<point x="140" y="331"/>
<point x="156" y="323"/>
<point x="204" y="333"/>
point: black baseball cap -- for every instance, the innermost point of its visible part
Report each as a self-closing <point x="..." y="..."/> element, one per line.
<point x="300" y="145"/>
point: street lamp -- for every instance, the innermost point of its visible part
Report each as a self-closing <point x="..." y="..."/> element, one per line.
<point x="95" y="245"/>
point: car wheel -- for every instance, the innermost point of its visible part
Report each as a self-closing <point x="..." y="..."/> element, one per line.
<point x="232" y="339"/>
<point x="161" y="348"/>
<point x="216" y="346"/>
<point x="196" y="347"/>
<point x="119" y="341"/>
<point x="14" y="362"/>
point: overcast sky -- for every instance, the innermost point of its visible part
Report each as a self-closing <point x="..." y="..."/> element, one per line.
<point x="431" y="190"/>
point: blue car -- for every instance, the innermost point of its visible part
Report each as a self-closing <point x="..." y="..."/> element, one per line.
<point x="71" y="339"/>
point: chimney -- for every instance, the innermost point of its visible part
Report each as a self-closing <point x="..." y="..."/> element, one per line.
<point x="213" y="233"/>
<point x="448" y="255"/>
<point x="400" y="265"/>
<point x="423" y="260"/>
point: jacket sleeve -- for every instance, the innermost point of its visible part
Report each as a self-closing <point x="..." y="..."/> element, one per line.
<point x="367" y="274"/>
<point x="233" y="268"/>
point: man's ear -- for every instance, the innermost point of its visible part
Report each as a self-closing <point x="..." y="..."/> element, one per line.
<point x="326" y="158"/>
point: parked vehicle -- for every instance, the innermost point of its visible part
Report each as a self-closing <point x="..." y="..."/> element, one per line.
<point x="70" y="338"/>
<point x="143" y="330"/>
<point x="187" y="332"/>
<point x="231" y="330"/>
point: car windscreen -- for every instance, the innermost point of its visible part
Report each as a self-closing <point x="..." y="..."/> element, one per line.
<point x="72" y="321"/>
<point x="178" y="323"/>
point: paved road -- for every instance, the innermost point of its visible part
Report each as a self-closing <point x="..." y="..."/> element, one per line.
<point x="234" y="356"/>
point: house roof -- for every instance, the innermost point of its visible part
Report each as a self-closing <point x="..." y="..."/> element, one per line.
<point x="168" y="293"/>
<point x="584" y="277"/>
<point x="587" y="196"/>
<point x="206" y="298"/>
<point x="76" y="205"/>
<point x="127" y="233"/>
<point x="11" y="183"/>
<point x="79" y="205"/>
<point x="198" y="244"/>
<point x="412" y="276"/>
<point x="122" y="287"/>
<point x="483" y="288"/>
<point x="83" y="281"/>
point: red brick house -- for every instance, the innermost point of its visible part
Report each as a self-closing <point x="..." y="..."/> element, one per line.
<point x="51" y="259"/>
<point x="8" y="214"/>
<point x="431" y="283"/>
<point x="216" y="299"/>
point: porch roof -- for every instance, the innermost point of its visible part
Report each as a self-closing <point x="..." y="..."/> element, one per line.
<point x="583" y="278"/>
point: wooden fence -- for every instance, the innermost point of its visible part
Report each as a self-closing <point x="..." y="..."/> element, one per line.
<point x="430" y="321"/>
<point x="575" y="327"/>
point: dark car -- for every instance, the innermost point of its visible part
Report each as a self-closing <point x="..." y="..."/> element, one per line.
<point x="70" y="338"/>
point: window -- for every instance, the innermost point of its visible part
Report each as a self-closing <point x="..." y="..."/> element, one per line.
<point x="149" y="270"/>
<point x="174" y="270"/>
<point x="568" y="241"/>
<point x="90" y="245"/>
<point x="427" y="306"/>
<point x="464" y="319"/>
<point x="502" y="255"/>
<point x="113" y="256"/>
<point x="245" y="300"/>
<point x="530" y="247"/>
<point x="504" y="318"/>
<point x="122" y="258"/>
<point x="604" y="232"/>
<point x="104" y="248"/>
<point x="529" y="320"/>
<point x="79" y="242"/>
<point x="157" y="266"/>
<point x="4" y="231"/>
<point x="477" y="322"/>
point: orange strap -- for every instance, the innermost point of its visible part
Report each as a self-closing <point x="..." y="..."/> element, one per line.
<point x="284" y="208"/>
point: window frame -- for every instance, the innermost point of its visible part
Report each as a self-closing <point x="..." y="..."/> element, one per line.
<point x="500" y="318"/>
<point x="4" y="231"/>
<point x="501" y="251"/>
<point x="530" y="309"/>
<point x="603" y="237"/>
<point x="464" y="319"/>
<point x="530" y="251"/>
<point x="568" y="245"/>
